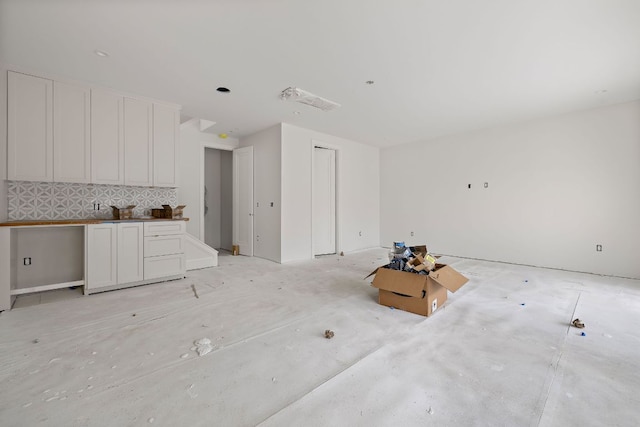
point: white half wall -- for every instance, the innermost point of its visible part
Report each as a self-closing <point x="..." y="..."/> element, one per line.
<point x="556" y="188"/>
<point x="190" y="192"/>
<point x="266" y="191"/>
<point x="358" y="192"/>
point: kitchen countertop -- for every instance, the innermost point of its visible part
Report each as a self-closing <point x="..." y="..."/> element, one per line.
<point x="81" y="221"/>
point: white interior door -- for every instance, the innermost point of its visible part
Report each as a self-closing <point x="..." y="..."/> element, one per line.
<point x="324" y="201"/>
<point x="243" y="199"/>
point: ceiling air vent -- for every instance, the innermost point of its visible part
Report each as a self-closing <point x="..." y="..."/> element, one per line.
<point x="304" y="97"/>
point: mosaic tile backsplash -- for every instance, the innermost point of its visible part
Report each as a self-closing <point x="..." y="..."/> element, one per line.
<point x="56" y="200"/>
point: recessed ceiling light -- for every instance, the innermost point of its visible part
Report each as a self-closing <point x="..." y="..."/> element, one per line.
<point x="101" y="53"/>
<point x="223" y="90"/>
<point x="369" y="82"/>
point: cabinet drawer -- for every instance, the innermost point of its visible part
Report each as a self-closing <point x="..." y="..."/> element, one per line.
<point x="153" y="228"/>
<point x="163" y="245"/>
<point x="164" y="266"/>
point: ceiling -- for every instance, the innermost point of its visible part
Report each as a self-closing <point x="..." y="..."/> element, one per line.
<point x="439" y="66"/>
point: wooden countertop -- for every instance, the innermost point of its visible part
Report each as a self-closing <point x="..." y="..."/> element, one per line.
<point x="79" y="221"/>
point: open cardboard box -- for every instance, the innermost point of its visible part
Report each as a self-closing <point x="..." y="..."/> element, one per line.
<point x="416" y="293"/>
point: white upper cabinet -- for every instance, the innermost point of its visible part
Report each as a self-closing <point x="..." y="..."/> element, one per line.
<point x="107" y="139"/>
<point x="138" y="149"/>
<point x="166" y="134"/>
<point x="66" y="132"/>
<point x="30" y="128"/>
<point x="71" y="133"/>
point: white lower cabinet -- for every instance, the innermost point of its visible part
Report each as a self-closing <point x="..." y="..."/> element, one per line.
<point x="133" y="253"/>
<point x="164" y="249"/>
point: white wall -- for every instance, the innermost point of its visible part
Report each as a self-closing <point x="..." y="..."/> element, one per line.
<point x="266" y="190"/>
<point x="358" y="192"/>
<point x="557" y="187"/>
<point x="212" y="197"/>
<point x="192" y="143"/>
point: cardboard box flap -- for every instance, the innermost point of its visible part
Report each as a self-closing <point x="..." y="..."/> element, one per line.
<point x="400" y="282"/>
<point x="448" y="278"/>
<point x="372" y="273"/>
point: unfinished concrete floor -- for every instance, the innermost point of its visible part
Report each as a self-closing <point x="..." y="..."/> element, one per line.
<point x="499" y="353"/>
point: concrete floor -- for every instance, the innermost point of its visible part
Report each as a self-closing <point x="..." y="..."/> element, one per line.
<point x="499" y="353"/>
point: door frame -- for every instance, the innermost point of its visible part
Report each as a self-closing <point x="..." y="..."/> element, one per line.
<point x="321" y="144"/>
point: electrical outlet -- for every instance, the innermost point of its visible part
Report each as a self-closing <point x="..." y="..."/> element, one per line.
<point x="486" y="185"/>
<point x="96" y="206"/>
<point x="360" y="233"/>
<point x="271" y="204"/>
<point x="469" y="185"/>
<point x="412" y="234"/>
<point x="27" y="261"/>
<point x="598" y="248"/>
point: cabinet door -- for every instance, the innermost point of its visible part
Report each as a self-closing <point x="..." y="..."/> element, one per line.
<point x="130" y="252"/>
<point x="30" y="128"/>
<point x="71" y="137"/>
<point x="166" y="122"/>
<point x="137" y="142"/>
<point x="102" y="262"/>
<point x="107" y="142"/>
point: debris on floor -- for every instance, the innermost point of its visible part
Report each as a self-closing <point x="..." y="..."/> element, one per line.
<point x="583" y="334"/>
<point x="414" y="281"/>
<point x="578" y="323"/>
<point x="328" y="334"/>
<point x="341" y="253"/>
<point x="194" y="291"/>
<point x="202" y="346"/>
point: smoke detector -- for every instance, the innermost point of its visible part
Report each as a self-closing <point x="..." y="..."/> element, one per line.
<point x="298" y="95"/>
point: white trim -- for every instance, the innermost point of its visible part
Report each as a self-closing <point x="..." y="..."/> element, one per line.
<point x="47" y="287"/>
<point x="133" y="284"/>
<point x="222" y="145"/>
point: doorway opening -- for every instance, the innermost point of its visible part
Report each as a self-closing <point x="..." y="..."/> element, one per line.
<point x="218" y="198"/>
